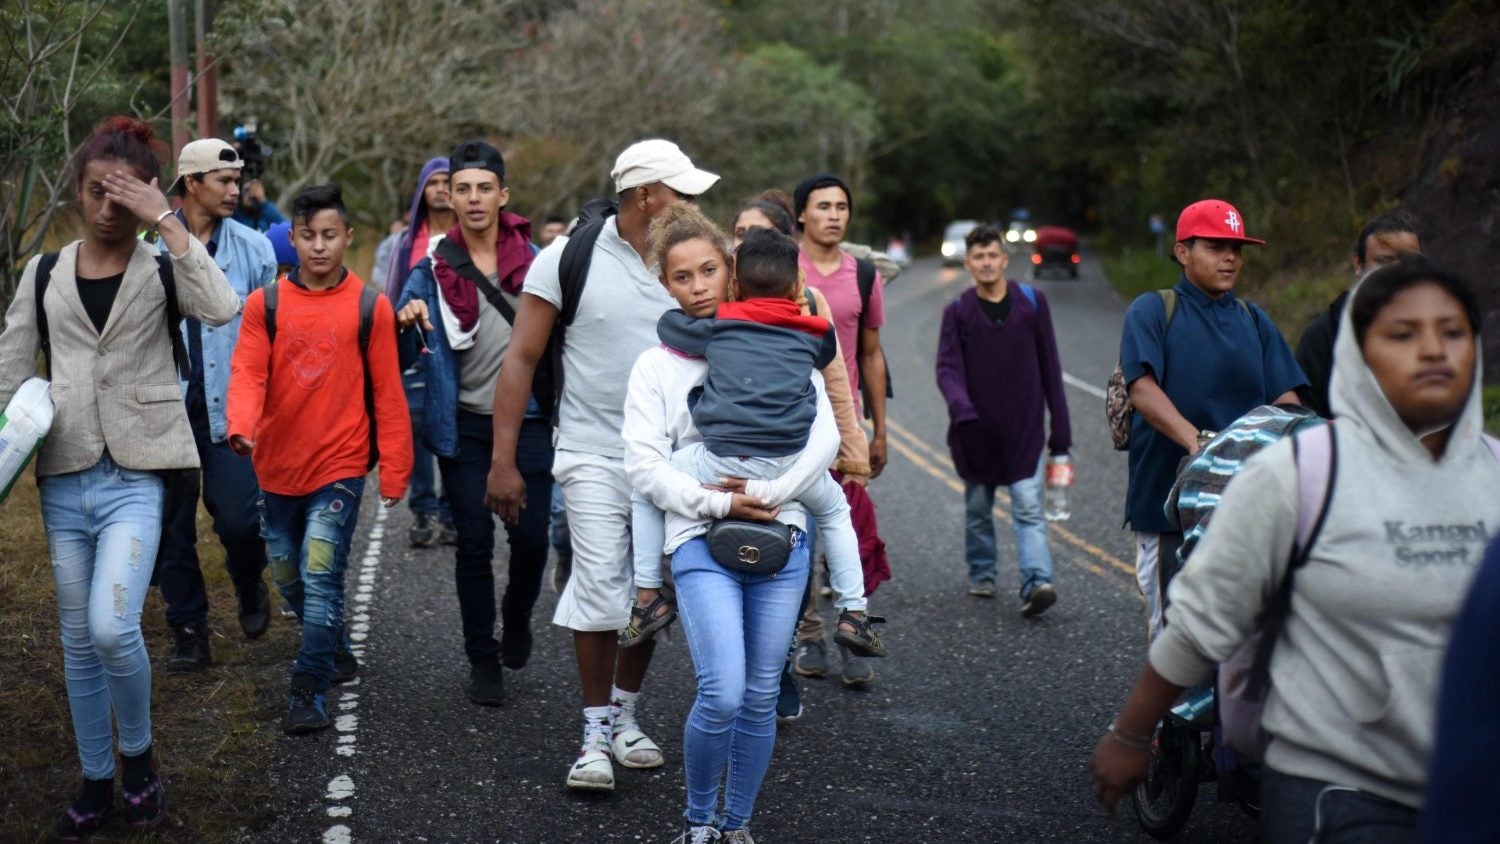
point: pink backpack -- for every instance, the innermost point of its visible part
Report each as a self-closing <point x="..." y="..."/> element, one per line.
<point x="1245" y="678"/>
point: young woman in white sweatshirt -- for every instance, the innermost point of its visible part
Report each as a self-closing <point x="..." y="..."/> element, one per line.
<point x="1412" y="505"/>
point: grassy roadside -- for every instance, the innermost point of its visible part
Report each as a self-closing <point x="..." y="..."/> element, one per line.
<point x="1133" y="271"/>
<point x="213" y="732"/>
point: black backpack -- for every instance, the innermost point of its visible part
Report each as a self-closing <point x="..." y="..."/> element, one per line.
<point x="164" y="272"/>
<point x="864" y="274"/>
<point x="368" y="298"/>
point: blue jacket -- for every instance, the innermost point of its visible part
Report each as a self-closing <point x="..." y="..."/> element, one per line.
<point x="248" y="260"/>
<point x="436" y="398"/>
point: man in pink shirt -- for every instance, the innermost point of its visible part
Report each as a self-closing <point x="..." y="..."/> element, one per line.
<point x="823" y="205"/>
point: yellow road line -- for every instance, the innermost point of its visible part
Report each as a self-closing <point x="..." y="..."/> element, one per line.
<point x="1066" y="535"/>
<point x="952" y="483"/>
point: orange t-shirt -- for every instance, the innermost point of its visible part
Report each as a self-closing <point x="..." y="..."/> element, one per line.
<point x="302" y="402"/>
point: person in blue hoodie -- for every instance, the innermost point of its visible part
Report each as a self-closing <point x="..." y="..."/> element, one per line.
<point x="431" y="217"/>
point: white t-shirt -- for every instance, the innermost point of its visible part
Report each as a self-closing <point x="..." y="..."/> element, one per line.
<point x="616" y="321"/>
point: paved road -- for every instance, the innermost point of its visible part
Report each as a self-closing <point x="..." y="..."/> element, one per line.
<point x="978" y="727"/>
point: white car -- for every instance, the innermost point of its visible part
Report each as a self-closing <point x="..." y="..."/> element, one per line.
<point x="953" y="248"/>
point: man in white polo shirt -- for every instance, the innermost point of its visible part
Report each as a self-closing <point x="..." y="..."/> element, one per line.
<point x="615" y="321"/>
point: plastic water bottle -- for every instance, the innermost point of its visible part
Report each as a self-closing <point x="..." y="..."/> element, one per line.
<point x="1059" y="481"/>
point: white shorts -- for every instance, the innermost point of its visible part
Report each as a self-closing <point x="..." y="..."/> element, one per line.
<point x="596" y="494"/>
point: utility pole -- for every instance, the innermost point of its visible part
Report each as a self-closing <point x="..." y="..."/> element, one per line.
<point x="208" y="74"/>
<point x="177" y="33"/>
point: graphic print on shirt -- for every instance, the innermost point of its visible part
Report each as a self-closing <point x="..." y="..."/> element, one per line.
<point x="311" y="348"/>
<point x="1419" y="546"/>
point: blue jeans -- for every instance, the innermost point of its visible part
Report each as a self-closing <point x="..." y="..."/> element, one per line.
<point x="464" y="477"/>
<point x="103" y="525"/>
<point x="562" y="540"/>
<point x="308" y="539"/>
<point x="737" y="628"/>
<point x="1031" y="532"/>
<point x="422" y="491"/>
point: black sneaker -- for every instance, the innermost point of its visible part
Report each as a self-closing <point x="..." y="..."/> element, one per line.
<point x="306" y="711"/>
<point x="93" y="808"/>
<point x="345" y="666"/>
<point x="447" y="534"/>
<point x="858" y="672"/>
<point x="144" y="807"/>
<point x="515" y="643"/>
<point x="255" y="610"/>
<point x="486" y="685"/>
<point x="1039" y="599"/>
<point x="811" y="659"/>
<point x="789" y="698"/>
<point x="190" y="651"/>
<point x="423" y="531"/>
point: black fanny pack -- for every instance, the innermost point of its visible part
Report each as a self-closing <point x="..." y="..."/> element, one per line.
<point x="751" y="547"/>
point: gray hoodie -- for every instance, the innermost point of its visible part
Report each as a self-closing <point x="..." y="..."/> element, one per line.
<point x="1354" y="675"/>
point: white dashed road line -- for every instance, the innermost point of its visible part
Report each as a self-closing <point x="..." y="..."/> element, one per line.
<point x="1074" y="381"/>
<point x="345" y="722"/>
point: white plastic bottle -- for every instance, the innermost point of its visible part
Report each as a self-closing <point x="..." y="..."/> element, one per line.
<point x="1059" y="481"/>
<point x="26" y="420"/>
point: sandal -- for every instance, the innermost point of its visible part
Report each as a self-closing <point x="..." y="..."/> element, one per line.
<point x="861" y="638"/>
<point x="645" y="622"/>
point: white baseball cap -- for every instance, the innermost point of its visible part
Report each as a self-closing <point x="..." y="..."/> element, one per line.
<point x="656" y="160"/>
<point x="204" y="156"/>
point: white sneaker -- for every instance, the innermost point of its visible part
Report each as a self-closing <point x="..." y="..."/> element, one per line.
<point x="633" y="749"/>
<point x="736" y="836"/>
<point x="593" y="771"/>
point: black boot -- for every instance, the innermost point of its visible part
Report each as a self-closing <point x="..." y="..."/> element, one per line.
<point x="486" y="685"/>
<point x="255" y="610"/>
<point x="190" y="651"/>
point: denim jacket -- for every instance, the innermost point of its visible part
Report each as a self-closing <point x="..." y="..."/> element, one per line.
<point x="438" y="398"/>
<point x="248" y="260"/>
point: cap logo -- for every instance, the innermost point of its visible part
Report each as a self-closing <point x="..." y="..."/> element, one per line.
<point x="1233" y="222"/>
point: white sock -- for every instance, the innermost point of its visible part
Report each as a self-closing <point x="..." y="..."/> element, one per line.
<point x="622" y="706"/>
<point x="596" y="720"/>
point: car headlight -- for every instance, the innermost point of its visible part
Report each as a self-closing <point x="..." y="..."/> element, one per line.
<point x="1030" y="235"/>
<point x="948" y="249"/>
<point x="1012" y="236"/>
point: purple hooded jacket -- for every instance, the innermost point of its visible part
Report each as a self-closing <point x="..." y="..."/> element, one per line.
<point x="400" y="266"/>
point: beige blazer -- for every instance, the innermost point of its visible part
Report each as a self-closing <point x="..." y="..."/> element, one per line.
<point x="115" y="389"/>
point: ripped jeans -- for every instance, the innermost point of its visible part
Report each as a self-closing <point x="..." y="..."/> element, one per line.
<point x="307" y="541"/>
<point x="103" y="525"/>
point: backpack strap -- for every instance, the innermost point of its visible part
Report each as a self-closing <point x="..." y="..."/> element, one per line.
<point x="168" y="278"/>
<point x="463" y="264"/>
<point x="368" y="299"/>
<point x="1169" y="302"/>
<point x="1029" y="292"/>
<point x="270" y="292"/>
<point x="42" y="279"/>
<point x="1315" y="451"/>
<point x="864" y="275"/>
<point x="812" y="301"/>
<point x="573" y="268"/>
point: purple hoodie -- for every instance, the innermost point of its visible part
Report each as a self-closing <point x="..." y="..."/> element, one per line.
<point x="400" y="266"/>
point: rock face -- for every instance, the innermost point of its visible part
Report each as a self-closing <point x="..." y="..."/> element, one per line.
<point x="1457" y="193"/>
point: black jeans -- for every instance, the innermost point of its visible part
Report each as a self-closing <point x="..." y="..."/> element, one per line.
<point x="230" y="491"/>
<point x="1299" y="810"/>
<point x="464" y="477"/>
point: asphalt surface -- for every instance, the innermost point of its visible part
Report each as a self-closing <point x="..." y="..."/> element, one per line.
<point x="978" y="728"/>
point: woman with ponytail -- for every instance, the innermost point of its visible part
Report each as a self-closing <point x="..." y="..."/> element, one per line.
<point x="98" y="311"/>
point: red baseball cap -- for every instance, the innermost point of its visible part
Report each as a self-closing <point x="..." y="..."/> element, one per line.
<point x="1213" y="219"/>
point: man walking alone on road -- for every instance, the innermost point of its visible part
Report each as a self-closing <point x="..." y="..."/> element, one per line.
<point x="1192" y="369"/>
<point x="998" y="369"/>
<point x="208" y="173"/>
<point x="465" y="300"/>
<point x="616" y="315"/>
